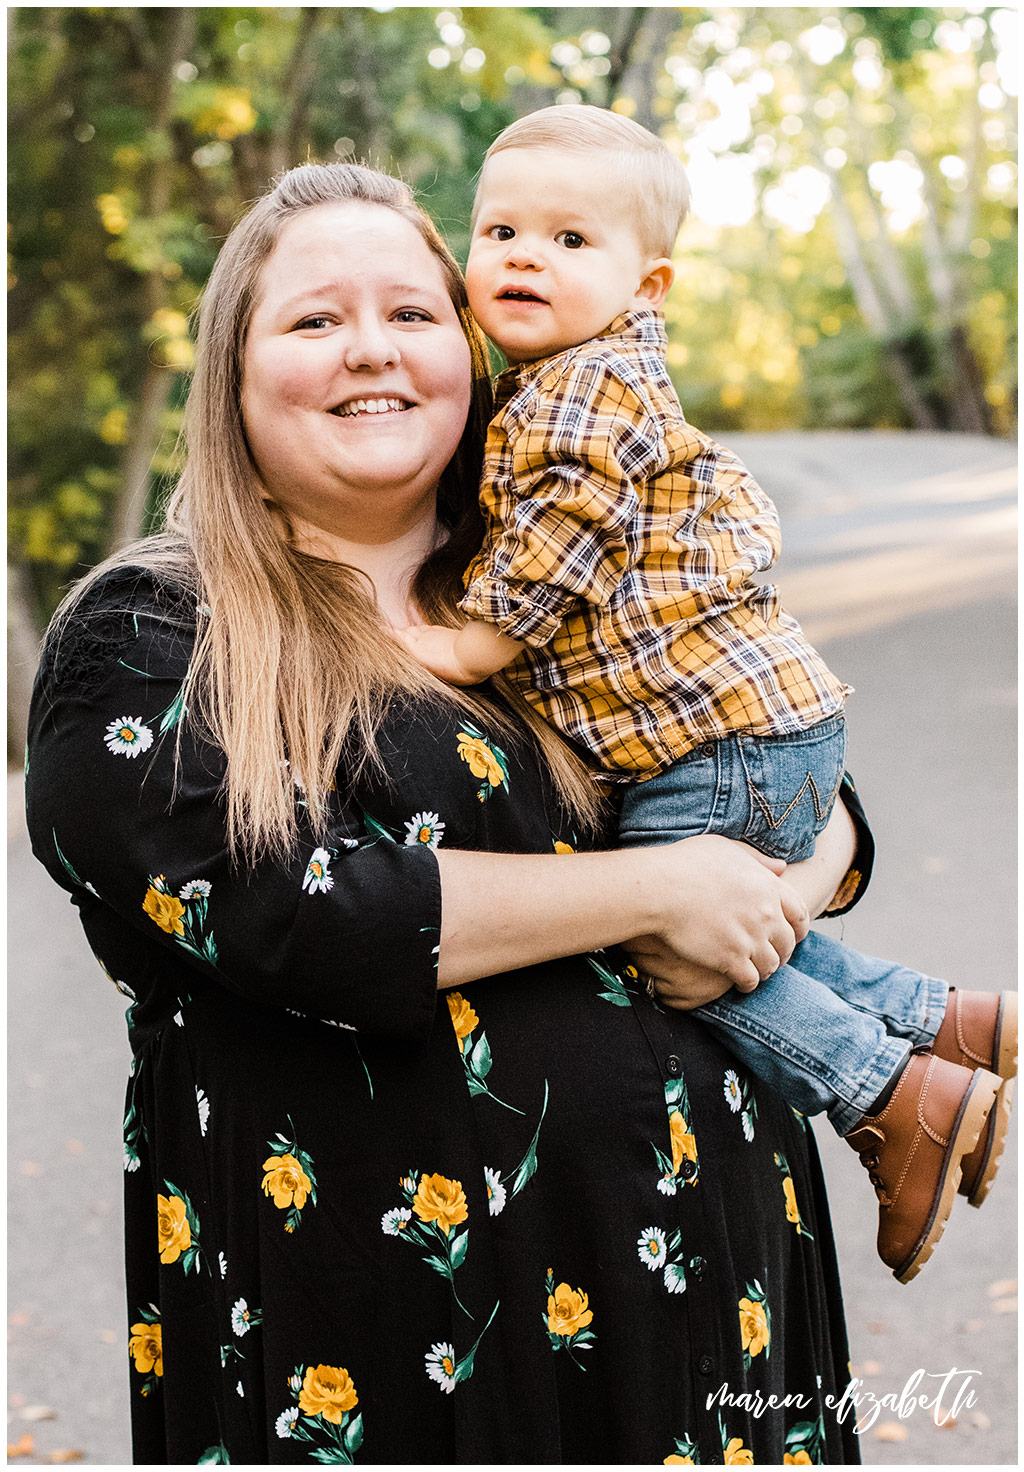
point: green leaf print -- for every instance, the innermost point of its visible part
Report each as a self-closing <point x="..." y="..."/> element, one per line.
<point x="687" y="1453"/>
<point x="807" y="1437"/>
<point x="477" y="1059"/>
<point x="616" y="990"/>
<point x="438" y="1204"/>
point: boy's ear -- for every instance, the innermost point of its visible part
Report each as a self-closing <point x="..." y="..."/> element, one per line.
<point x="656" y="284"/>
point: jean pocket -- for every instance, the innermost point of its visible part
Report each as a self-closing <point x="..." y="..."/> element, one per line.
<point x="792" y="783"/>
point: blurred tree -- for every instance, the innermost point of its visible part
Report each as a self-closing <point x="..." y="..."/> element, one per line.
<point x="850" y="260"/>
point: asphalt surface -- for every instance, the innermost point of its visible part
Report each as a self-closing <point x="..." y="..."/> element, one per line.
<point x="900" y="563"/>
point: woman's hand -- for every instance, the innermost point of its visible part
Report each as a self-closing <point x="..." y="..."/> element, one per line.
<point x="729" y="920"/>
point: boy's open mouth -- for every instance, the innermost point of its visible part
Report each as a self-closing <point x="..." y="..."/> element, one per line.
<point x="518" y="294"/>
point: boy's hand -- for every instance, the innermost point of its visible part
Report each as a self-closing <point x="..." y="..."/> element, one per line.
<point x="464" y="656"/>
<point x="434" y="647"/>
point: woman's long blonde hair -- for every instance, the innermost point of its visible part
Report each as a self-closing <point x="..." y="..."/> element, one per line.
<point x="293" y="667"/>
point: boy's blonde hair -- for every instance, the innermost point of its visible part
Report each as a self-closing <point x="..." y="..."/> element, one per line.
<point x="652" y="179"/>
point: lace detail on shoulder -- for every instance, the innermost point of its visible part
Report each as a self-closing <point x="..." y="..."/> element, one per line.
<point x="106" y="623"/>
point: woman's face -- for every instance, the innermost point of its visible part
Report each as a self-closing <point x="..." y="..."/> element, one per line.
<point x="356" y="381"/>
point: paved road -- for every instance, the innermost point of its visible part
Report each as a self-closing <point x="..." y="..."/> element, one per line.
<point x="899" y="561"/>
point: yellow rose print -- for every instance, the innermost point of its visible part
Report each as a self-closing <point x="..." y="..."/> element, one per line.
<point x="165" y="909"/>
<point x="440" y="1200"/>
<point x="675" y="1461"/>
<point x="563" y="848"/>
<point x="684" y="1146"/>
<point x="174" y="1235"/>
<point x="738" y="1455"/>
<point x="327" y="1392"/>
<point x="286" y="1181"/>
<point x="146" y="1348"/>
<point x="464" y="1019"/>
<point x="568" y="1310"/>
<point x="754" y="1329"/>
<point x="792" y="1212"/>
<point x="480" y="759"/>
<point x="800" y="1460"/>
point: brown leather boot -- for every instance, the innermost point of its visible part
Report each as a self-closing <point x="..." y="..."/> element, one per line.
<point x="913" y="1151"/>
<point x="979" y="1030"/>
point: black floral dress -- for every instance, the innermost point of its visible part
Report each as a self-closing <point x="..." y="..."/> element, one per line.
<point x="535" y="1220"/>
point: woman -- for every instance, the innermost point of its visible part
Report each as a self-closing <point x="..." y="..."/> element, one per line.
<point x="539" y="1221"/>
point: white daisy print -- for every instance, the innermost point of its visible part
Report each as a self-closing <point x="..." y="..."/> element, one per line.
<point x="424" y="828"/>
<point x="675" y="1277"/>
<point x="667" y="1185"/>
<point x="131" y="1162"/>
<point x="240" y="1317"/>
<point x="495" y="1191"/>
<point x="408" y="1184"/>
<point x="203" y="1105"/>
<point x="441" y="1366"/>
<point x="127" y="736"/>
<point x="318" y="874"/>
<point x="733" y="1092"/>
<point x="196" y="889"/>
<point x="651" y="1246"/>
<point x="747" y="1120"/>
<point x="241" y="1392"/>
<point x="285" y="1421"/>
<point x="223" y="1264"/>
<point x="393" y="1222"/>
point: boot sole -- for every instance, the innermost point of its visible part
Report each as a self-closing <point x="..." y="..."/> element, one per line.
<point x="998" y="1123"/>
<point x="1006" y="1037"/>
<point x="978" y="1101"/>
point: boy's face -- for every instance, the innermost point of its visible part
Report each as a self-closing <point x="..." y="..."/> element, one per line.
<point x="555" y="255"/>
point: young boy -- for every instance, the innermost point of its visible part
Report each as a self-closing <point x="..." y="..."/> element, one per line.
<point x="618" y="570"/>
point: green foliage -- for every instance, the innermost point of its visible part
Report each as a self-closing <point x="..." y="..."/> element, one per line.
<point x="138" y="134"/>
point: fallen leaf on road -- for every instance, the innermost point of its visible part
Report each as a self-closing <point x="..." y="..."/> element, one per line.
<point x="974" y="1326"/>
<point x="879" y="1327"/>
<point x="890" y="1431"/>
<point x="108" y="1336"/>
<point x="1002" y="1288"/>
<point x="943" y="1419"/>
<point x="870" y="1367"/>
<point x="39" y="1413"/>
<point x="979" y="1419"/>
<point x="75" y="1147"/>
<point x="32" y="1168"/>
<point x="17" y="1318"/>
<point x="1004" y="1305"/>
<point x="16" y="1398"/>
<point x="66" y="1454"/>
<point x="23" y="1447"/>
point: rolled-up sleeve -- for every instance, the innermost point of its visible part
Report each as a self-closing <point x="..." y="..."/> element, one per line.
<point x="126" y="811"/>
<point x="563" y="526"/>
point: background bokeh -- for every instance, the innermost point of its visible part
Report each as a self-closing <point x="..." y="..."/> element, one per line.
<point x="849" y="262"/>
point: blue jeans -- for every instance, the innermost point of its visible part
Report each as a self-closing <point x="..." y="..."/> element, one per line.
<point x="833" y="1027"/>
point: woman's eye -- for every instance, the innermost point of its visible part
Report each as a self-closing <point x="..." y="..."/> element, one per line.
<point x="501" y="232"/>
<point x="412" y="314"/>
<point x="571" y="239"/>
<point x="313" y="322"/>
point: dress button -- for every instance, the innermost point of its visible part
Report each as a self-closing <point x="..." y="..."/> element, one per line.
<point x="705" y="1364"/>
<point x="688" y="1170"/>
<point x="673" y="1067"/>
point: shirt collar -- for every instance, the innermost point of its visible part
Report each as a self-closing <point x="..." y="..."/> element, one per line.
<point x="645" y="327"/>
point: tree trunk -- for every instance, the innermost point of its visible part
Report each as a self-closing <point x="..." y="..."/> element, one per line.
<point x="22" y="658"/>
<point x="130" y="513"/>
<point x="290" y="133"/>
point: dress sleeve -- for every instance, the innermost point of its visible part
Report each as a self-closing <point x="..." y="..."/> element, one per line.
<point x="858" y="876"/>
<point x="126" y="809"/>
<point x="567" y="528"/>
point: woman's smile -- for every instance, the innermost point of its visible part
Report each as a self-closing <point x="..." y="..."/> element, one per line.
<point x="356" y="373"/>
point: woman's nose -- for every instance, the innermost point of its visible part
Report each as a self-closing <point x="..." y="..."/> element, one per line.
<point x="369" y="344"/>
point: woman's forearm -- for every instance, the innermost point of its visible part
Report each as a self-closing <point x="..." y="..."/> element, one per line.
<point x="707" y="901"/>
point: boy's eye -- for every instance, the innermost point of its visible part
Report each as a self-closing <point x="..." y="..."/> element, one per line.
<point x="501" y="232"/>
<point x="571" y="239"/>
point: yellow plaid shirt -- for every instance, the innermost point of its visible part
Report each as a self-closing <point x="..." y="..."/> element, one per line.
<point x="621" y="547"/>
